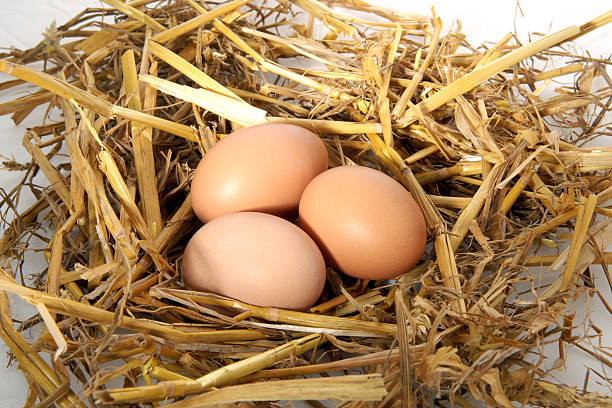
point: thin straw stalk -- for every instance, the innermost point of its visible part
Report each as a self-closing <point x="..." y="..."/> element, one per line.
<point x="400" y="106"/>
<point x="547" y="260"/>
<point x="287" y="105"/>
<point x="96" y="104"/>
<point x="450" y="202"/>
<point x="31" y="362"/>
<point x="546" y="194"/>
<point x="142" y="145"/>
<point x="476" y="77"/>
<point x="190" y="71"/>
<point x="56" y="180"/>
<point x="119" y="186"/>
<point x="87" y="177"/>
<point x="344" y="388"/>
<point x="550" y="224"/>
<point x="153" y="121"/>
<point x="421" y="154"/>
<point x="200" y="20"/>
<point x="176" y="223"/>
<point x="135" y="14"/>
<point x="601" y="237"/>
<point x="224" y="375"/>
<point x="55" y="262"/>
<point x="103" y="37"/>
<point x="462" y="224"/>
<point x="225" y="106"/>
<point x="26" y="217"/>
<point x="83" y="311"/>
<point x="55" y="332"/>
<point x="287" y="316"/>
<point x="516" y="191"/>
<point x="337" y="127"/>
<point x="370" y="360"/>
<point x="386" y="78"/>
<point x="553" y="73"/>
<point x="494" y="52"/>
<point x="586" y="209"/>
<point x="401" y="305"/>
<point x="265" y="65"/>
<point x="469" y="168"/>
<point x="591" y="25"/>
<point x="448" y="269"/>
<point x="102" y="217"/>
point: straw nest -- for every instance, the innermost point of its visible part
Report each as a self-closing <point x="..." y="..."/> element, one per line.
<point x="146" y="91"/>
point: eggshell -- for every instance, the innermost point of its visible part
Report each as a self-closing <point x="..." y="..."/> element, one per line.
<point x="256" y="258"/>
<point x="366" y="224"/>
<point x="262" y="168"/>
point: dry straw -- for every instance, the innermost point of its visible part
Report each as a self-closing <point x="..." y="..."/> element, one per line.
<point x="500" y="172"/>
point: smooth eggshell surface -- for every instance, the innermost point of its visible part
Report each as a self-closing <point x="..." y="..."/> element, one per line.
<point x="256" y="258"/>
<point x="366" y="224"/>
<point x="262" y="168"/>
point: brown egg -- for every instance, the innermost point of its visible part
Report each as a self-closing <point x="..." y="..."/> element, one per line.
<point x="366" y="224"/>
<point x="255" y="258"/>
<point x="262" y="168"/>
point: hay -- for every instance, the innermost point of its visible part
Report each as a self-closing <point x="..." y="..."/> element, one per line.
<point x="470" y="135"/>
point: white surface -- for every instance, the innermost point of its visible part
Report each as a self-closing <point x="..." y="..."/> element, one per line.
<point x="22" y="22"/>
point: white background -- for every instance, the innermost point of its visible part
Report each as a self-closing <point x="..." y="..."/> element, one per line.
<point x="22" y="22"/>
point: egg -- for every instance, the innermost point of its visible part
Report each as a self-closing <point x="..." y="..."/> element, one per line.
<point x="262" y="168"/>
<point x="256" y="258"/>
<point x="366" y="224"/>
